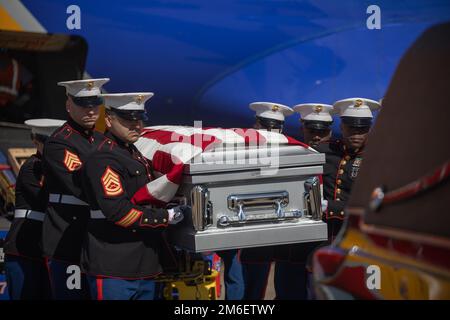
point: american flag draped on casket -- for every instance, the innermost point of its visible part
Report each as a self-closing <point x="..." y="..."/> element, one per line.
<point x="234" y="204"/>
<point x="170" y="148"/>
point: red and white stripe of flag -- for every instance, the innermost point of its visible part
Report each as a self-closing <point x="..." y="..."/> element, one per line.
<point x="171" y="147"/>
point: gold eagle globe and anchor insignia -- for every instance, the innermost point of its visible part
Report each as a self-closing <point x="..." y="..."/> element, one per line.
<point x="112" y="186"/>
<point x="139" y="99"/>
<point x="318" y="109"/>
<point x="275" y="108"/>
<point x="90" y="85"/>
<point x="358" y="103"/>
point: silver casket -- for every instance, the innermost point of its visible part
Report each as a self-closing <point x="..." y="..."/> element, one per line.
<point x="270" y="196"/>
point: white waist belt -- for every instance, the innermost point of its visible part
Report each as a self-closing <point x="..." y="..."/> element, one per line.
<point x="29" y="214"/>
<point x="65" y="199"/>
<point x="97" y="214"/>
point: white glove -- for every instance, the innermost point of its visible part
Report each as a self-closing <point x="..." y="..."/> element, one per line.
<point x="324" y="205"/>
<point x="175" y="215"/>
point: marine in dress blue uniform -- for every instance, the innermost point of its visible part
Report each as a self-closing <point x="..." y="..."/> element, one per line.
<point x="65" y="153"/>
<point x="26" y="270"/>
<point x="125" y="245"/>
<point x="344" y="157"/>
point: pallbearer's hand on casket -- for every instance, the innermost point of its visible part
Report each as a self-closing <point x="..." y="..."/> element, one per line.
<point x="176" y="214"/>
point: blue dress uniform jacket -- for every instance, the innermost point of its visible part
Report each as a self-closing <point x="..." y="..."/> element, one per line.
<point x="124" y="240"/>
<point x="25" y="268"/>
<point x="25" y="234"/>
<point x="340" y="170"/>
<point x="65" y="153"/>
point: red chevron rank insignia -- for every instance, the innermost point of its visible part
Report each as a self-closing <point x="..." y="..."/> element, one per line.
<point x="112" y="186"/>
<point x="71" y="161"/>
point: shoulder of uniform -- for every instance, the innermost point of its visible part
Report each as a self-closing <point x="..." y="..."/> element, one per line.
<point x="323" y="147"/>
<point x="105" y="151"/>
<point x="33" y="158"/>
<point x="30" y="166"/>
<point x="30" y="162"/>
<point x="67" y="132"/>
<point x="62" y="138"/>
<point x="103" y="157"/>
<point x="106" y="144"/>
<point x="56" y="143"/>
<point x="331" y="146"/>
<point x="63" y="132"/>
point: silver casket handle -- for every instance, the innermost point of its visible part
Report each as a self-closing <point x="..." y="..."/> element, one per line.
<point x="313" y="199"/>
<point x="239" y="203"/>
<point x="201" y="208"/>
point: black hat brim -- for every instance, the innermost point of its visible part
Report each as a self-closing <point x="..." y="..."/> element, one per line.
<point x="317" y="125"/>
<point x="87" y="102"/>
<point x="269" y="123"/>
<point x="357" y="122"/>
<point x="131" y="115"/>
